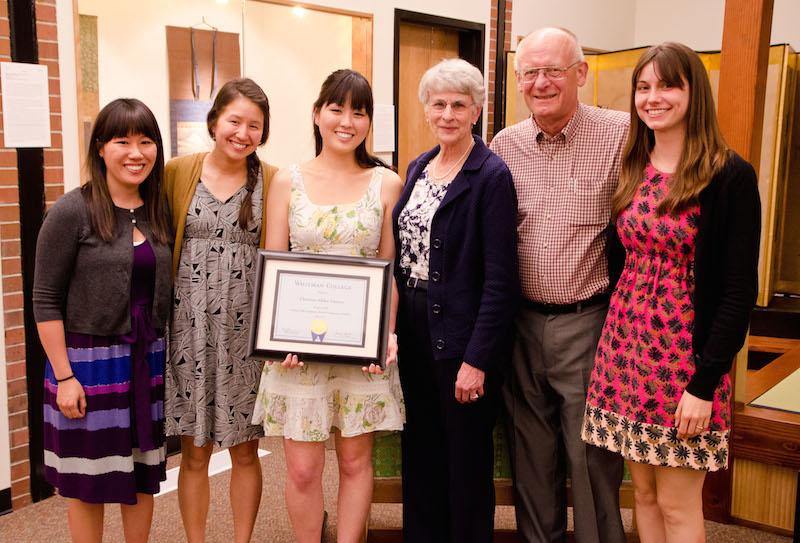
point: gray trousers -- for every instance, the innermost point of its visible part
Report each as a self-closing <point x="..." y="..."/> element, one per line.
<point x="545" y="398"/>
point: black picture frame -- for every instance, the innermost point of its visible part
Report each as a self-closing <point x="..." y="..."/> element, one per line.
<point x="315" y="275"/>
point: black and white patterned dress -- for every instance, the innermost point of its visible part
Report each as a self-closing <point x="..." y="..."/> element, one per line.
<point x="210" y="386"/>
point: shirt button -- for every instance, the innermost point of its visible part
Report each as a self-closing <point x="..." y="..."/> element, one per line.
<point x="435" y="276"/>
<point x="545" y="246"/>
<point x="440" y="344"/>
<point x="548" y="217"/>
<point x="437" y="243"/>
<point x="436" y="309"/>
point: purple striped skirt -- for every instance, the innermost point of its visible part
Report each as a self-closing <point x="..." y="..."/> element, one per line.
<point x="117" y="449"/>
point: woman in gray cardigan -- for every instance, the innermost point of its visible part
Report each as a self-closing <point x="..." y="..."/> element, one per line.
<point x="101" y="297"/>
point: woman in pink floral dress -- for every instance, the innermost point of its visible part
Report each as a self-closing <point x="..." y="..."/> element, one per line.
<point x="687" y="218"/>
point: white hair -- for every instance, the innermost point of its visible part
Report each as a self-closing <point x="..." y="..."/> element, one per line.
<point x="453" y="75"/>
<point x="577" y="53"/>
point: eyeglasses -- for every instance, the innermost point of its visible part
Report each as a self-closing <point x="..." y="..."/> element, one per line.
<point x="550" y="72"/>
<point x="456" y="107"/>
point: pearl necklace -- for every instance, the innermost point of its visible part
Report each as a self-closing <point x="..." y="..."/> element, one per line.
<point x="456" y="163"/>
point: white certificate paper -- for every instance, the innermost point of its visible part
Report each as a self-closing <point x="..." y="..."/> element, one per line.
<point x="320" y="308"/>
<point x="26" y="105"/>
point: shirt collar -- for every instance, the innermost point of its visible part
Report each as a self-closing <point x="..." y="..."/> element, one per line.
<point x="569" y="130"/>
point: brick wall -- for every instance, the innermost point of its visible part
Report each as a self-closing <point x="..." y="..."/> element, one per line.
<point x="10" y="246"/>
<point x="493" y="52"/>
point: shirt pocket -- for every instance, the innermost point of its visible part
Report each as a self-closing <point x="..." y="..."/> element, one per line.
<point x="588" y="201"/>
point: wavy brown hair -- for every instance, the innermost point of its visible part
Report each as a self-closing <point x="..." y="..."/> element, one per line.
<point x="118" y="119"/>
<point x="705" y="151"/>
<point x="243" y="88"/>
<point x="343" y="87"/>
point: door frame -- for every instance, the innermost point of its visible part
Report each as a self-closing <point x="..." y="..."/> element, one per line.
<point x="471" y="47"/>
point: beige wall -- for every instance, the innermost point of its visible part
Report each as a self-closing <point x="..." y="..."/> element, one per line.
<point x="132" y="58"/>
<point x="699" y="24"/>
<point x="290" y="55"/>
<point x="607" y="25"/>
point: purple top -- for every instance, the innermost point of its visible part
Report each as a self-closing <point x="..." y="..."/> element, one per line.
<point x="141" y="335"/>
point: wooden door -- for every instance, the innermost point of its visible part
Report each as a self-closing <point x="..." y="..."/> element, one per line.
<point x="420" y="48"/>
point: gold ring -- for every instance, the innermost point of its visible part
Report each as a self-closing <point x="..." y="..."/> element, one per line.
<point x="475" y="396"/>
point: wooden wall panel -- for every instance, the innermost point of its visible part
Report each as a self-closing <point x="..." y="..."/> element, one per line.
<point x="764" y="494"/>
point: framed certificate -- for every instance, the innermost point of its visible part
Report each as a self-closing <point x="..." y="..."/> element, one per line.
<point x="323" y="308"/>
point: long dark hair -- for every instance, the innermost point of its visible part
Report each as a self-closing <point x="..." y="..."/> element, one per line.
<point x="242" y="88"/>
<point x="121" y="118"/>
<point x="705" y="151"/>
<point x="343" y="87"/>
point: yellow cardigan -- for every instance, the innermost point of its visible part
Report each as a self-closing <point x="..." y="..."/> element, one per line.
<point x="181" y="175"/>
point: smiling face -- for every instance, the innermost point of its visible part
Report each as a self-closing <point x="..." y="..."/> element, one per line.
<point x="129" y="160"/>
<point x="662" y="107"/>
<point x="341" y="126"/>
<point x="451" y="116"/>
<point x="552" y="101"/>
<point x="237" y="131"/>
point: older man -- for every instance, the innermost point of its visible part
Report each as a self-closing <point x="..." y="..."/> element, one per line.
<point x="565" y="161"/>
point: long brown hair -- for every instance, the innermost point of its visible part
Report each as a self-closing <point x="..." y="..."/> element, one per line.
<point x="341" y="87"/>
<point x="242" y="88"/>
<point x="120" y="118"/>
<point x="705" y="151"/>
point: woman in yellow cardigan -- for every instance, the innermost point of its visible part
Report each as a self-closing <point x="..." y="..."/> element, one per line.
<point x="217" y="205"/>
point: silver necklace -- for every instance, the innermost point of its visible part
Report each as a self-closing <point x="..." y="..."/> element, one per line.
<point x="456" y="163"/>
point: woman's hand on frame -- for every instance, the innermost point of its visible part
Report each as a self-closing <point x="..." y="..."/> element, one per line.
<point x="391" y="356"/>
<point x="692" y="415"/>
<point x="71" y="399"/>
<point x="469" y="383"/>
<point x="291" y="361"/>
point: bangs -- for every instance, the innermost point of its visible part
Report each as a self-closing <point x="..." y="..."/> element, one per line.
<point x="354" y="89"/>
<point x="126" y="119"/>
<point x="668" y="64"/>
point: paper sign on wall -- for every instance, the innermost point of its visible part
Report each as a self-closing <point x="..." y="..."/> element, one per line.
<point x="26" y="104"/>
<point x="383" y="129"/>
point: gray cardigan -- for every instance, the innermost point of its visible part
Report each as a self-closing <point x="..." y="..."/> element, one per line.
<point x="84" y="281"/>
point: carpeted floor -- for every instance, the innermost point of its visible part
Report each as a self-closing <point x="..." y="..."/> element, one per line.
<point x="46" y="521"/>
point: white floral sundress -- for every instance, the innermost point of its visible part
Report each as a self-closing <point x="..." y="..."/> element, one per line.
<point x="305" y="403"/>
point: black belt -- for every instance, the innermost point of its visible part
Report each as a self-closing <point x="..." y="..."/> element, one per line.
<point x="555" y="309"/>
<point x="414" y="282"/>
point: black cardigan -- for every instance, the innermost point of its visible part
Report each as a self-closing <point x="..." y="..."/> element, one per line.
<point x="725" y="271"/>
<point x="474" y="277"/>
<point x="84" y="281"/>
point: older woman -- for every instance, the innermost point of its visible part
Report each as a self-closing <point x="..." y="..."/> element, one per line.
<point x="456" y="270"/>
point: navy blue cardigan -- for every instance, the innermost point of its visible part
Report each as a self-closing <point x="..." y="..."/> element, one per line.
<point x="725" y="271"/>
<point x="473" y="285"/>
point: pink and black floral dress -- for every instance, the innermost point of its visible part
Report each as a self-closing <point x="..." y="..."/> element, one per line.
<point x="644" y="358"/>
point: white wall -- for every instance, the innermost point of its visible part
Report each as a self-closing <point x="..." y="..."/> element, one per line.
<point x="69" y="94"/>
<point x="132" y="57"/>
<point x="605" y="25"/>
<point x="284" y="56"/>
<point x="132" y="52"/>
<point x="699" y="24"/>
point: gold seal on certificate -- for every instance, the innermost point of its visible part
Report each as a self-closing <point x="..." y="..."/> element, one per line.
<point x="323" y="308"/>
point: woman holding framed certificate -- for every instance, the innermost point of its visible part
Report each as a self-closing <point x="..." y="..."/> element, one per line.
<point x="339" y="203"/>
<point x="218" y="213"/>
<point x="455" y="230"/>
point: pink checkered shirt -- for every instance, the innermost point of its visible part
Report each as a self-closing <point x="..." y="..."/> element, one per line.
<point x="564" y="187"/>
